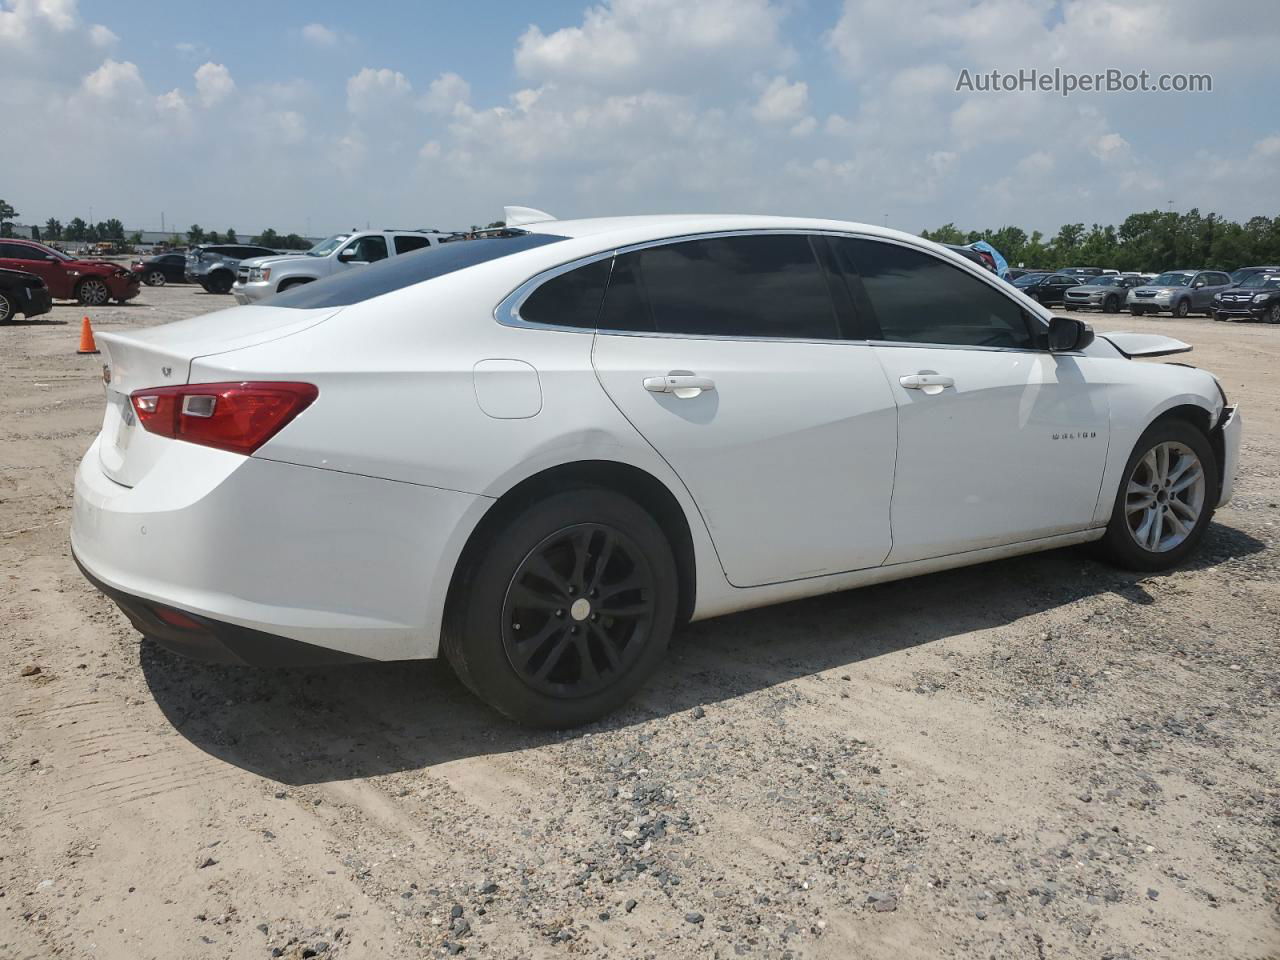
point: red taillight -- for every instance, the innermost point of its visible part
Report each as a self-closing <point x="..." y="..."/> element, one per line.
<point x="239" y="417"/>
<point x="176" y="618"/>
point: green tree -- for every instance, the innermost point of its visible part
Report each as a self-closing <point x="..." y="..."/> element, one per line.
<point x="53" y="229"/>
<point x="135" y="239"/>
<point x="35" y="232"/>
<point x="292" y="241"/>
<point x="195" y="234"/>
<point x="76" y="230"/>
<point x="212" y="237"/>
<point x="947" y="233"/>
<point x="7" y="214"/>
<point x="268" y="238"/>
<point x="231" y="236"/>
<point x="114" y="229"/>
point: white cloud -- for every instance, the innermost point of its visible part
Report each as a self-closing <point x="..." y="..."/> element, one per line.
<point x="659" y="43"/>
<point x="214" y="83"/>
<point x="102" y="36"/>
<point x="114" y="80"/>
<point x="371" y="88"/>
<point x="446" y="93"/>
<point x="318" y="35"/>
<point x="782" y="101"/>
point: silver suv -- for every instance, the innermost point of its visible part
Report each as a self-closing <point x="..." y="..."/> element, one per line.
<point x="1178" y="291"/>
<point x="264" y="276"/>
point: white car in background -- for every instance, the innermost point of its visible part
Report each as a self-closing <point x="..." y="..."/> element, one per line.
<point x="538" y="452"/>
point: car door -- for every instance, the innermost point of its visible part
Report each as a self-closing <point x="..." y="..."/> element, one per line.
<point x="726" y="353"/>
<point x="999" y="441"/>
<point x="1057" y="286"/>
<point x="20" y="256"/>
<point x="362" y="251"/>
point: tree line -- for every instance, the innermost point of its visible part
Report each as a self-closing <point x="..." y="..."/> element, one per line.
<point x="79" y="230"/>
<point x="1148" y="242"/>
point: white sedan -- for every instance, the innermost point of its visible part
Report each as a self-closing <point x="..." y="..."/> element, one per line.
<point x="539" y="451"/>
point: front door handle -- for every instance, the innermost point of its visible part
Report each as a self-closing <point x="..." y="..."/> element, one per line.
<point x="930" y="383"/>
<point x="684" y="386"/>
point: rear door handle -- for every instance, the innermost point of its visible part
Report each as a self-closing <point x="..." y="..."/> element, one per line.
<point x="930" y="383"/>
<point x="684" y="386"/>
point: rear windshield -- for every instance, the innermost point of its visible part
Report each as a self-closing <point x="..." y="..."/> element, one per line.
<point x="364" y="283"/>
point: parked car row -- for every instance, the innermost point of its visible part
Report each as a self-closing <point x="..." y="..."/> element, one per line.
<point x="23" y="293"/>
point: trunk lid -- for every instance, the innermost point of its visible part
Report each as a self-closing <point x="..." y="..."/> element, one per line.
<point x="162" y="356"/>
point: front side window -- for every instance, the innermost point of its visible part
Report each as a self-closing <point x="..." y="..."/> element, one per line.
<point x="918" y="298"/>
<point x="368" y="249"/>
<point x="762" y="285"/>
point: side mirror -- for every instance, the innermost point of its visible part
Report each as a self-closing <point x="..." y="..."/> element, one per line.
<point x="347" y="254"/>
<point x="50" y="256"/>
<point x="1068" y="333"/>
<point x="1197" y="285"/>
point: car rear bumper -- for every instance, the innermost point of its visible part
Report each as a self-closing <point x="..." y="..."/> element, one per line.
<point x="249" y="548"/>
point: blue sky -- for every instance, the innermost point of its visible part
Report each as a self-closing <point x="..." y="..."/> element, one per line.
<point x="328" y="115"/>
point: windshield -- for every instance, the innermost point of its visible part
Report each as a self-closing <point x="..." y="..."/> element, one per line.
<point x="1106" y="281"/>
<point x="1029" y="279"/>
<point x="326" y="247"/>
<point x="1171" y="280"/>
<point x="1260" y="280"/>
<point x="353" y="286"/>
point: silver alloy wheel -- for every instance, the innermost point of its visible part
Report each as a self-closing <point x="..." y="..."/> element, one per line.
<point x="1165" y="497"/>
<point x="155" y="278"/>
<point x="93" y="292"/>
<point x="6" y="308"/>
<point x="1273" y="315"/>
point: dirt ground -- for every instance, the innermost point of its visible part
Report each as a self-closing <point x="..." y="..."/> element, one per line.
<point x="1038" y="758"/>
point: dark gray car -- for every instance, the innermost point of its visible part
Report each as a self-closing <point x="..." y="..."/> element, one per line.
<point x="1101" y="293"/>
<point x="1178" y="292"/>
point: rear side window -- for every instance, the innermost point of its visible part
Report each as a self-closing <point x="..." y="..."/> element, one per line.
<point x="17" y="251"/>
<point x="405" y="243"/>
<point x="917" y="298"/>
<point x="353" y="286"/>
<point x="767" y="285"/>
<point x="571" y="299"/>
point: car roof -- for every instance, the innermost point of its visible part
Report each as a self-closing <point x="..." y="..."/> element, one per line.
<point x="639" y="229"/>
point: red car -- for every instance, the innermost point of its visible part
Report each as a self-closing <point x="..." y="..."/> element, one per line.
<point x="92" y="282"/>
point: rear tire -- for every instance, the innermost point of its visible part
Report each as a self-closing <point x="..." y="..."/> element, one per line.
<point x="1273" y="315"/>
<point x="529" y="627"/>
<point x="1165" y="501"/>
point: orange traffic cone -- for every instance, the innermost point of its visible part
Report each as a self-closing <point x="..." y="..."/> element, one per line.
<point x="86" y="338"/>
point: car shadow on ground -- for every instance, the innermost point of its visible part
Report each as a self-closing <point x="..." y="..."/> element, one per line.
<point x="320" y="724"/>
<point x="34" y="322"/>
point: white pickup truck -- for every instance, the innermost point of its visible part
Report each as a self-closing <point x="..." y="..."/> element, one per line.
<point x="262" y="277"/>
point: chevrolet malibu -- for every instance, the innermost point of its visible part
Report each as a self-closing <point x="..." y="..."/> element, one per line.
<point x="538" y="452"/>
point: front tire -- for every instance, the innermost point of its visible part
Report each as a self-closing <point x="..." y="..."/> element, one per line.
<point x="92" y="292"/>
<point x="1182" y="309"/>
<point x="7" y="310"/>
<point x="564" y="612"/>
<point x="1273" y="315"/>
<point x="155" y="278"/>
<point x="220" y="282"/>
<point x="1166" y="499"/>
<point x="1137" y="311"/>
<point x="1111" y="305"/>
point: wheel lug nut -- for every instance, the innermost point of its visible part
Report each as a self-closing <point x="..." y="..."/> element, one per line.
<point x="560" y="613"/>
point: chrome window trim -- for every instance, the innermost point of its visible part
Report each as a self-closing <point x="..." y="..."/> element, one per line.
<point x="507" y="312"/>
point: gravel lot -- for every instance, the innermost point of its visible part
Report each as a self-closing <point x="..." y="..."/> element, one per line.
<point x="1037" y="758"/>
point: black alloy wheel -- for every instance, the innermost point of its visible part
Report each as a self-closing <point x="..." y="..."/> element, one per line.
<point x="578" y="610"/>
